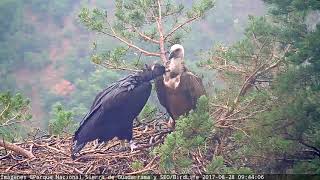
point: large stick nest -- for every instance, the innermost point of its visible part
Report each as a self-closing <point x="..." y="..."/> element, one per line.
<point x="53" y="154"/>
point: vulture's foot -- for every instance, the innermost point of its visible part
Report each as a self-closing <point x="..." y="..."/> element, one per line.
<point x="171" y="123"/>
<point x="100" y="145"/>
<point x="133" y="146"/>
<point x="123" y="145"/>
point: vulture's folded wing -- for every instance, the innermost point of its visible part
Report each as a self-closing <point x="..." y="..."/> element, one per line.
<point x="193" y="85"/>
<point x="112" y="97"/>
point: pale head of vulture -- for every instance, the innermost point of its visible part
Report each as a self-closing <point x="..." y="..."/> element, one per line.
<point x="175" y="66"/>
<point x="176" y="52"/>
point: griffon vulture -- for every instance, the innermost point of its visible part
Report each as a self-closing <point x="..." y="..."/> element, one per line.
<point x="178" y="89"/>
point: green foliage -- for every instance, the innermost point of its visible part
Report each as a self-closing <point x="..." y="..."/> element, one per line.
<point x="14" y="110"/>
<point x="217" y="166"/>
<point x="200" y="8"/>
<point x="311" y="167"/>
<point x="289" y="123"/>
<point x="281" y="125"/>
<point x="133" y="21"/>
<point x="93" y="20"/>
<point x="191" y="133"/>
<point x="136" y="165"/>
<point x="62" y="121"/>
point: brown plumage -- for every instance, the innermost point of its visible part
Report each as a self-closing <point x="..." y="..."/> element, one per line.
<point x="179" y="89"/>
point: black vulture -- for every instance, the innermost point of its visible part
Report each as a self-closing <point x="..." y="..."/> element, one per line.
<point x="178" y="89"/>
<point x="114" y="109"/>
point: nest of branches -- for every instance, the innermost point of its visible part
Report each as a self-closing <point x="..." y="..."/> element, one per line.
<point x="52" y="154"/>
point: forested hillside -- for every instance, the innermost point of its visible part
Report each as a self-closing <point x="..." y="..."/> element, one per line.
<point x="46" y="51"/>
<point x="259" y="61"/>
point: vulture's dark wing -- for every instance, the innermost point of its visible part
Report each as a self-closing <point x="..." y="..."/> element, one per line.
<point x="115" y="96"/>
<point x="107" y="90"/>
<point x="193" y="85"/>
<point x="101" y="94"/>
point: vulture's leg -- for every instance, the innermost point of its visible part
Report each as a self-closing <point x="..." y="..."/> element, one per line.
<point x="100" y="145"/>
<point x="171" y="123"/>
<point x="133" y="145"/>
<point x="123" y="145"/>
<point x="95" y="144"/>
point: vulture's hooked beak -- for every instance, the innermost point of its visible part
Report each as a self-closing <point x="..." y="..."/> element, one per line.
<point x="170" y="55"/>
<point x="167" y="53"/>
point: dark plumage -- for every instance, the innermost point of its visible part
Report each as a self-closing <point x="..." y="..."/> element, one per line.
<point x="114" y="109"/>
<point x="179" y="89"/>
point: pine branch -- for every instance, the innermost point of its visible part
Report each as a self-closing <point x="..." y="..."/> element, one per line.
<point x="5" y="109"/>
<point x="145" y="36"/>
<point x="115" y="35"/>
<point x="112" y="66"/>
<point x="11" y="121"/>
<point x="145" y="52"/>
<point x="180" y="26"/>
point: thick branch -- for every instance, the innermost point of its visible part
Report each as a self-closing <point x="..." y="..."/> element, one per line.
<point x="16" y="149"/>
<point x="161" y="36"/>
<point x="180" y="26"/>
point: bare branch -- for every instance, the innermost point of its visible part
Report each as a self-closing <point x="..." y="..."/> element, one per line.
<point x="219" y="106"/>
<point x="114" y="35"/>
<point x="16" y="149"/>
<point x="145" y="36"/>
<point x="277" y="62"/>
<point x="237" y="128"/>
<point x="232" y="127"/>
<point x="112" y="66"/>
<point x="180" y="26"/>
<point x="10" y="121"/>
<point x="161" y="36"/>
<point x="145" y="52"/>
<point x="5" y="109"/>
<point x="248" y="116"/>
